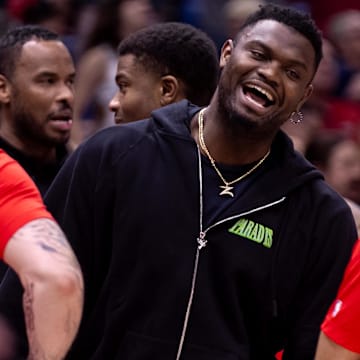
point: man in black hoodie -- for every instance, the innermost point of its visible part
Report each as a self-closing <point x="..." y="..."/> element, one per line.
<point x="201" y="233"/>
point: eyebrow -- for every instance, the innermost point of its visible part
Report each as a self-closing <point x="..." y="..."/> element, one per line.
<point x="121" y="76"/>
<point x="52" y="73"/>
<point x="45" y="73"/>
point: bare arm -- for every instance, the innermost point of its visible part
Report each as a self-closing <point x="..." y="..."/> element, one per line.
<point x="329" y="350"/>
<point x="53" y="287"/>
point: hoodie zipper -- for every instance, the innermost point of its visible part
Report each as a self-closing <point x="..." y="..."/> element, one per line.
<point x="202" y="242"/>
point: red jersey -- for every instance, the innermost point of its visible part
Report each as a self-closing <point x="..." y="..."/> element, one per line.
<point x="20" y="201"/>
<point x="342" y="322"/>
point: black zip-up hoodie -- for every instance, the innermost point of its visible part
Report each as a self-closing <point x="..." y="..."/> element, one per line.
<point x="129" y="201"/>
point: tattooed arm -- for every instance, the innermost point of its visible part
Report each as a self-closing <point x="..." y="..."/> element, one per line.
<point x="53" y="287"/>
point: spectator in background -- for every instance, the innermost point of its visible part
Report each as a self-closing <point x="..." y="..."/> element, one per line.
<point x="59" y="16"/>
<point x="323" y="10"/>
<point x="36" y="101"/>
<point x="352" y="90"/>
<point x="324" y="110"/>
<point x="235" y="13"/>
<point x="162" y="64"/>
<point x="340" y="113"/>
<point x="33" y="244"/>
<point x="95" y="86"/>
<point x="338" y="158"/>
<point x="344" y="32"/>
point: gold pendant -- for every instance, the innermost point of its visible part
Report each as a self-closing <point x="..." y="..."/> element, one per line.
<point x="227" y="190"/>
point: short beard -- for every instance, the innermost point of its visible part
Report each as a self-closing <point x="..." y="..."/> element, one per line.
<point x="28" y="129"/>
<point x="29" y="132"/>
<point x="236" y="121"/>
<point x="233" y="118"/>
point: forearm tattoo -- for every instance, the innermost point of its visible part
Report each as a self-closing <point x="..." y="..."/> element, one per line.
<point x="46" y="236"/>
<point x="35" y="348"/>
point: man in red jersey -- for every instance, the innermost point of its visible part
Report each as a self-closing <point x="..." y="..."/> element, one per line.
<point x="32" y="243"/>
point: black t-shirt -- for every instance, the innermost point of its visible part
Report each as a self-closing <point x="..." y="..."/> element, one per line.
<point x="216" y="204"/>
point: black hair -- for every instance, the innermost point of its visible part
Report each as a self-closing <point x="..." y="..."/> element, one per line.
<point x="12" y="41"/>
<point x="178" y="49"/>
<point x="296" y="19"/>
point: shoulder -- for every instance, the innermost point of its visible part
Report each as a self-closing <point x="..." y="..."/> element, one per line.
<point x="13" y="176"/>
<point x="20" y="200"/>
<point x="108" y="145"/>
<point x="119" y="136"/>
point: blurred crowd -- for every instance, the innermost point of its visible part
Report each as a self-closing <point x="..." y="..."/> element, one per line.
<point x="92" y="30"/>
<point x="328" y="133"/>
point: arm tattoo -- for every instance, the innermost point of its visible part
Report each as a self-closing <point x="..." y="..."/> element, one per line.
<point x="47" y="234"/>
<point x="28" y="306"/>
<point x="34" y="347"/>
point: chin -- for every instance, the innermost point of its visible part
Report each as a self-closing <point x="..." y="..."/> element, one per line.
<point x="60" y="140"/>
<point x="241" y="118"/>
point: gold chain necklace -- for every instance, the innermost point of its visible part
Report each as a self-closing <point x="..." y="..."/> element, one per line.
<point x="226" y="188"/>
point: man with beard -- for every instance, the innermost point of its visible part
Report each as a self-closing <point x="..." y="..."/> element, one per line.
<point x="36" y="101"/>
<point x="201" y="233"/>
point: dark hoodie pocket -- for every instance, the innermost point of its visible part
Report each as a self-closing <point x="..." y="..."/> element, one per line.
<point x="139" y="347"/>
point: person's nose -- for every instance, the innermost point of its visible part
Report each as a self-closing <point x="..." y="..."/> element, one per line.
<point x="66" y="93"/>
<point x="114" y="103"/>
<point x="269" y="71"/>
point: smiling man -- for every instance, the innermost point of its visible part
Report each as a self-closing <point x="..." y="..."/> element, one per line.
<point x="201" y="233"/>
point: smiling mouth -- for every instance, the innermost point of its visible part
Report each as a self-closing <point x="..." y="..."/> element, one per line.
<point x="259" y="95"/>
<point x="62" y="119"/>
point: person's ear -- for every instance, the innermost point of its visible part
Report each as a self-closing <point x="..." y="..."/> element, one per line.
<point x="226" y="51"/>
<point x="307" y="94"/>
<point x="5" y="90"/>
<point x="169" y="91"/>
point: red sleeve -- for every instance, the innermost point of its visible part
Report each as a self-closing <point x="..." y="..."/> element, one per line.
<point x="20" y="201"/>
<point x="342" y="322"/>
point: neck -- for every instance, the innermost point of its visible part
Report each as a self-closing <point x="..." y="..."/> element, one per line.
<point x="226" y="145"/>
<point x="42" y="153"/>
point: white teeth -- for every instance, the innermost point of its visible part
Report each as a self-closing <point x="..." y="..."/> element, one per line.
<point x="263" y="91"/>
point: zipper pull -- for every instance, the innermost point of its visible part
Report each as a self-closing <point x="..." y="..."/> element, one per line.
<point x="201" y="240"/>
